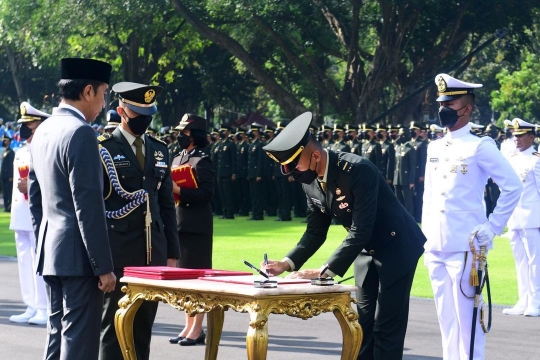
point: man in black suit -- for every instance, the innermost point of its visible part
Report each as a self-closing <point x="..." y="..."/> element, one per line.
<point x="242" y="184"/>
<point x="255" y="173"/>
<point x="65" y="187"/>
<point x="383" y="240"/>
<point x="418" y="142"/>
<point x="226" y="171"/>
<point x="7" y="171"/>
<point x="141" y="163"/>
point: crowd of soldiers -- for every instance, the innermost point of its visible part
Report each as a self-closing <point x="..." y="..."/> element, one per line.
<point x="248" y="183"/>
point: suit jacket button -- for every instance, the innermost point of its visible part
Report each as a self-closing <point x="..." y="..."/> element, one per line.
<point x="371" y="252"/>
<point x="348" y="210"/>
<point x="144" y="178"/>
<point x="392" y="233"/>
<point x="112" y="226"/>
<point x="123" y="176"/>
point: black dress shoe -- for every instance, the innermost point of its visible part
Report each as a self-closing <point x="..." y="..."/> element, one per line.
<point x="176" y="340"/>
<point x="191" y="342"/>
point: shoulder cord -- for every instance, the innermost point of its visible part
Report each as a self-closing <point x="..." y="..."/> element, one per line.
<point x="137" y="198"/>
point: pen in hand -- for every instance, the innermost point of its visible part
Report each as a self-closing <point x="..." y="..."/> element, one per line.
<point x="323" y="271"/>
<point x="256" y="269"/>
<point x="266" y="262"/>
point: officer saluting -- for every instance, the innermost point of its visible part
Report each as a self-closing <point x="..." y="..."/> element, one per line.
<point x="147" y="235"/>
<point x="458" y="167"/>
<point x="383" y="240"/>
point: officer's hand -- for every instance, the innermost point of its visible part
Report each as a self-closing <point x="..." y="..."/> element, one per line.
<point x="175" y="188"/>
<point x="411" y="186"/>
<point x="171" y="262"/>
<point x="484" y="234"/>
<point x="275" y="267"/>
<point x="107" y="282"/>
<point x="233" y="177"/>
<point x="22" y="185"/>
<point x="290" y="178"/>
<point x="258" y="179"/>
<point x="304" y="274"/>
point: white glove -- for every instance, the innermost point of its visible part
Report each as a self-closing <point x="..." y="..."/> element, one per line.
<point x="484" y="234"/>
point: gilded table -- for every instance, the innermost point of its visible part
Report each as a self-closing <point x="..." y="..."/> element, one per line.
<point x="200" y="296"/>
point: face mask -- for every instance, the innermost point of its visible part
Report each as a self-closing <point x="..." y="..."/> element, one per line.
<point x="251" y="136"/>
<point x="393" y="136"/>
<point x="320" y="138"/>
<point x="325" y="136"/>
<point x="508" y="134"/>
<point x="305" y="177"/>
<point x="350" y="137"/>
<point x="335" y="136"/>
<point x="413" y="133"/>
<point x="213" y="138"/>
<point x="239" y="137"/>
<point x="222" y="136"/>
<point x="448" y="117"/>
<point x="379" y="136"/>
<point x="25" y="132"/>
<point x="139" y="124"/>
<point x="184" y="141"/>
<point x="360" y="136"/>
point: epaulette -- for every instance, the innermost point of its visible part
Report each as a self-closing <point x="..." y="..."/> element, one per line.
<point x="157" y="140"/>
<point x="101" y="138"/>
<point x="536" y="154"/>
<point x="345" y="166"/>
<point x="475" y="134"/>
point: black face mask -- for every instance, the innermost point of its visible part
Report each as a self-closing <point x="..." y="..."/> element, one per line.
<point x="222" y="135"/>
<point x="251" y="136"/>
<point x="393" y="136"/>
<point x="183" y="141"/>
<point x="448" y="117"/>
<point x="213" y="139"/>
<point x="305" y="177"/>
<point x="379" y="136"/>
<point x="325" y="136"/>
<point x="360" y="136"/>
<point x="320" y="138"/>
<point x="508" y="134"/>
<point x="335" y="136"/>
<point x="25" y="132"/>
<point x="350" y="137"/>
<point x="139" y="124"/>
<point x="413" y="134"/>
<point x="239" y="137"/>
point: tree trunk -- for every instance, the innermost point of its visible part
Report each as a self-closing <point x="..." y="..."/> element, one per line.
<point x="15" y="74"/>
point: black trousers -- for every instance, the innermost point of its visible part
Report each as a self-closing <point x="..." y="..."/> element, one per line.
<point x="256" y="189"/>
<point x="383" y="312"/>
<point x="216" y="200"/>
<point x="75" y="304"/>
<point x="299" y="200"/>
<point x="284" y="192"/>
<point x="8" y="191"/>
<point x="226" y="193"/>
<point x="491" y="195"/>
<point x="142" y="325"/>
<point x="418" y="200"/>
<point x="405" y="197"/>
<point x="269" y="196"/>
<point x="242" y="194"/>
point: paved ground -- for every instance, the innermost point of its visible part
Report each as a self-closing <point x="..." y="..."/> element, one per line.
<point x="289" y="338"/>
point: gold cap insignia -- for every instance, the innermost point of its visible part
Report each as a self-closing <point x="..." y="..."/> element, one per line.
<point x="441" y="84"/>
<point x="23" y="110"/>
<point x="271" y="156"/>
<point x="149" y="96"/>
<point x="516" y="124"/>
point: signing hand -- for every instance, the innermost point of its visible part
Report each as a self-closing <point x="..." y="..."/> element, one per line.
<point x="304" y="274"/>
<point x="107" y="282"/>
<point x="275" y="267"/>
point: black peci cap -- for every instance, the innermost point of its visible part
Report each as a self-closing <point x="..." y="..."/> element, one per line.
<point x="288" y="145"/>
<point x="90" y="69"/>
<point x="138" y="97"/>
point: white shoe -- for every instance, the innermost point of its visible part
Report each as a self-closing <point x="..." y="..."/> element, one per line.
<point x="516" y="310"/>
<point x="40" y="318"/>
<point x="531" y="312"/>
<point x="24" y="317"/>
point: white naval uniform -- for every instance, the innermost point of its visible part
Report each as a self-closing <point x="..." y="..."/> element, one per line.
<point x="32" y="285"/>
<point x="457" y="169"/>
<point x="524" y="226"/>
<point x="508" y="147"/>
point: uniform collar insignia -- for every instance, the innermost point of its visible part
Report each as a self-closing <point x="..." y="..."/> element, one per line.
<point x="159" y="155"/>
<point x="119" y="157"/>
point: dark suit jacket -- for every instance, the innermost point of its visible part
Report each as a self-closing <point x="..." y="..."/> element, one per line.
<point x="66" y="186"/>
<point x="7" y="164"/>
<point x="255" y="160"/>
<point x="388" y="160"/>
<point x="420" y="146"/>
<point x="242" y="160"/>
<point x="372" y="151"/>
<point x="378" y="226"/>
<point x="405" y="165"/>
<point x="226" y="159"/>
<point x="194" y="214"/>
<point x="127" y="235"/>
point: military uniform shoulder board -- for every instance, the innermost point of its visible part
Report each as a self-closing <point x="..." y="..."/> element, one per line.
<point x="103" y="137"/>
<point x="536" y="154"/>
<point x="345" y="166"/>
<point x="157" y="140"/>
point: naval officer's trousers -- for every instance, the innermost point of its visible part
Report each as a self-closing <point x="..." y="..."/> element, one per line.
<point x="526" y="248"/>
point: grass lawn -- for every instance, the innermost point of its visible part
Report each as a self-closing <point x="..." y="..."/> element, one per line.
<point x="235" y="240"/>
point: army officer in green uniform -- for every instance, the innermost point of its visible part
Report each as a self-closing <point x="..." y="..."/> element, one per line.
<point x="383" y="241"/>
<point x="139" y="162"/>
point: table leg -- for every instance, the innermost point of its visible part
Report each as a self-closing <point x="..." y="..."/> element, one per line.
<point x="123" y="323"/>
<point x="214" y="329"/>
<point x="257" y="336"/>
<point x="351" y="330"/>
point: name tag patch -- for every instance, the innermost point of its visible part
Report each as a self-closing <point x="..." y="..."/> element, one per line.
<point x="121" y="164"/>
<point x="434" y="160"/>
